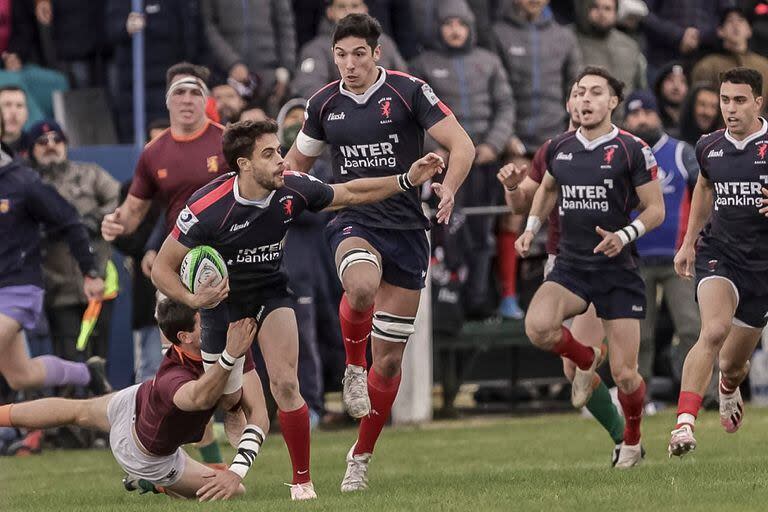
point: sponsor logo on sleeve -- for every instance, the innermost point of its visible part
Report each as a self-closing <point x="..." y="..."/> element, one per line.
<point x="429" y="94"/>
<point x="186" y="220"/>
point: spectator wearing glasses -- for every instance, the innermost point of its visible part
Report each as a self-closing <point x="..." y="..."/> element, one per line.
<point x="93" y="193"/>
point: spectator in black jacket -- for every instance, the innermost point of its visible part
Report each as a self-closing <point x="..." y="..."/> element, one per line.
<point x="78" y="38"/>
<point x="173" y="32"/>
<point x="19" y="37"/>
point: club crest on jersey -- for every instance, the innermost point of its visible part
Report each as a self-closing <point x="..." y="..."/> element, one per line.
<point x="162" y="174"/>
<point x="213" y="163"/>
<point x="762" y="148"/>
<point x="608" y="154"/>
<point x="287" y="203"/>
<point x="5" y="205"/>
<point x="385" y="109"/>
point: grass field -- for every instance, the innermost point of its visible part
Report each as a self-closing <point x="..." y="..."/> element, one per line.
<point x="551" y="463"/>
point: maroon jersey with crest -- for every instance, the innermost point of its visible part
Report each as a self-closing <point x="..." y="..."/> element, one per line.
<point x="161" y="426"/>
<point x="172" y="168"/>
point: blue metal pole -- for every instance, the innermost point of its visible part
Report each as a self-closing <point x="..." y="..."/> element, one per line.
<point x="139" y="113"/>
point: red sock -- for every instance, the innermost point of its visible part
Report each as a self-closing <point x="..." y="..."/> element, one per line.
<point x="382" y="392"/>
<point x="632" y="406"/>
<point x="688" y="403"/>
<point x="507" y="263"/>
<point x="295" y="427"/>
<point x="355" y="329"/>
<point x="570" y="348"/>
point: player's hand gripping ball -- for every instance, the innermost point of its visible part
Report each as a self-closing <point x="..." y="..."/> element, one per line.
<point x="203" y="266"/>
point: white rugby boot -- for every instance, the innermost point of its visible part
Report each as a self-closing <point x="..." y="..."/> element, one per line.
<point x="731" y="409"/>
<point x="582" y="385"/>
<point x="629" y="455"/>
<point x="356" y="476"/>
<point x="302" y="492"/>
<point x="682" y="441"/>
<point x="355" y="393"/>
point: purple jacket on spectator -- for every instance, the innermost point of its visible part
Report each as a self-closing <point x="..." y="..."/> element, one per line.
<point x="26" y="203"/>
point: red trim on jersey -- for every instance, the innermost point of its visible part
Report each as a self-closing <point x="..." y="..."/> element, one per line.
<point x="399" y="96"/>
<point x="322" y="89"/>
<point x="212" y="196"/>
<point x="685" y="211"/>
<point x="446" y="110"/>
<point x="192" y="136"/>
<point x="175" y="232"/>
<point x="406" y="75"/>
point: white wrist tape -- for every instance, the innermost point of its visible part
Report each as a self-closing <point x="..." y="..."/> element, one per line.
<point x="247" y="450"/>
<point x="533" y="225"/>
<point x="631" y="232"/>
<point x="227" y="361"/>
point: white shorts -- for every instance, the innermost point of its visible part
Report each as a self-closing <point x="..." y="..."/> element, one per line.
<point x="163" y="471"/>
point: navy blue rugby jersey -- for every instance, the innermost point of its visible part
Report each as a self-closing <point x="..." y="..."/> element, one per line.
<point x="249" y="235"/>
<point x="596" y="187"/>
<point x="737" y="170"/>
<point x="378" y="133"/>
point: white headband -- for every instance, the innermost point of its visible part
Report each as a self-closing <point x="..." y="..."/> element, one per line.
<point x="187" y="82"/>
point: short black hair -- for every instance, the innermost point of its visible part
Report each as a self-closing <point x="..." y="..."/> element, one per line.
<point x="727" y="12"/>
<point x="742" y="75"/>
<point x="616" y="85"/>
<point x="239" y="139"/>
<point x="186" y="68"/>
<point x="13" y="88"/>
<point x="174" y="317"/>
<point x="363" y="26"/>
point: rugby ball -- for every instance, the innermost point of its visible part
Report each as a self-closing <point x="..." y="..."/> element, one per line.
<point x="199" y="265"/>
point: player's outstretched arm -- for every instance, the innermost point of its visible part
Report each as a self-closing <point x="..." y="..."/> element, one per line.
<point x="543" y="201"/>
<point x="652" y="213"/>
<point x="125" y="219"/>
<point x="373" y="190"/>
<point x="450" y="135"/>
<point x="205" y="392"/>
<point x="519" y="188"/>
<point x="701" y="210"/>
<point x="165" y="276"/>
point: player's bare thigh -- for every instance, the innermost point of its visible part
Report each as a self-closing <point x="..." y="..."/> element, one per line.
<point x="402" y="302"/>
<point x="15" y="364"/>
<point x="717" y="304"/>
<point x="360" y="280"/>
<point x="551" y="305"/>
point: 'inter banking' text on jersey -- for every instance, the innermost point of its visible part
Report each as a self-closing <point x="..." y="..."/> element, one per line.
<point x="378" y="133"/>
<point x="737" y="170"/>
<point x="249" y="235"/>
<point x="596" y="187"/>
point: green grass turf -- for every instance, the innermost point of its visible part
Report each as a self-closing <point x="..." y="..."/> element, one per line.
<point x="550" y="463"/>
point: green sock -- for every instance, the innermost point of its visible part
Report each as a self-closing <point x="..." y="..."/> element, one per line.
<point x="147" y="486"/>
<point x="211" y="453"/>
<point x="602" y="408"/>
